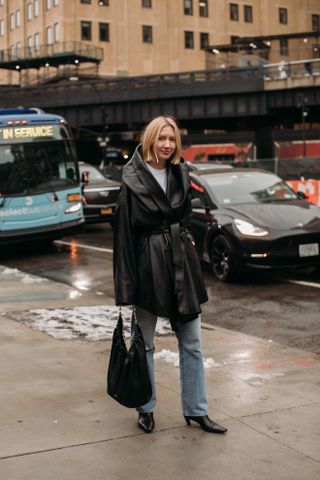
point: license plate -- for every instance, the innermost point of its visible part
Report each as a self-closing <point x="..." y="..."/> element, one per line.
<point x="309" y="250"/>
<point x="106" y="211"/>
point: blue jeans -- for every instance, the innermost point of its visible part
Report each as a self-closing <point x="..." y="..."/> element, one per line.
<point x="192" y="379"/>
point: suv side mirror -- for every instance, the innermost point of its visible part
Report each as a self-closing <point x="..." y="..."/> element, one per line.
<point x="196" y="203"/>
<point x="302" y="195"/>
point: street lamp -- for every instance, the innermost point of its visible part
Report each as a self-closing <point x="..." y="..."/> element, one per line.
<point x="103" y="140"/>
<point x="304" y="114"/>
<point x="302" y="100"/>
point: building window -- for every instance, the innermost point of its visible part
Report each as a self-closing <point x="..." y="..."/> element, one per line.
<point x="315" y="22"/>
<point x="1" y="2"/>
<point x="283" y="16"/>
<point x="55" y="3"/>
<point x="36" y="8"/>
<point x="104" y="32"/>
<point x="103" y="3"/>
<point x="11" y="21"/>
<point x="29" y="12"/>
<point x="188" y="7"/>
<point x="203" y="8"/>
<point x="234" y="11"/>
<point x="147" y="3"/>
<point x="18" y="49"/>
<point x="18" y="18"/>
<point x="146" y="34"/>
<point x="188" y="40"/>
<point x="85" y="30"/>
<point x="204" y="40"/>
<point x="49" y="35"/>
<point x="56" y="32"/>
<point x="29" y="44"/>
<point x="85" y="1"/>
<point x="248" y="13"/>
<point x="1" y="28"/>
<point x="37" y="41"/>
<point x="284" y="47"/>
<point x="48" y="4"/>
<point x="13" y="51"/>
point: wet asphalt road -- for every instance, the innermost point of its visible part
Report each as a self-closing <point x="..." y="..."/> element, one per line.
<point x="284" y="308"/>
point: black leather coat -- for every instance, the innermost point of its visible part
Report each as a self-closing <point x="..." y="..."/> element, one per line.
<point x="155" y="263"/>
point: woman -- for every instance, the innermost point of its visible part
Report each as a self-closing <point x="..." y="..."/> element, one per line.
<point x="156" y="267"/>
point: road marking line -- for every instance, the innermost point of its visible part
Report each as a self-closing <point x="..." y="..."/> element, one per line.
<point x="306" y="284"/>
<point x="109" y="250"/>
<point x="81" y="245"/>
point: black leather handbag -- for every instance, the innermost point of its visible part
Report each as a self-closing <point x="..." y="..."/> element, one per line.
<point x="128" y="380"/>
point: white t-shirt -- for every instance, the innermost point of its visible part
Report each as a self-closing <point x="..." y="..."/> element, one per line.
<point x="160" y="176"/>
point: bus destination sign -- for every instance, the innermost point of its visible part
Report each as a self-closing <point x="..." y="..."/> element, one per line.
<point x="20" y="133"/>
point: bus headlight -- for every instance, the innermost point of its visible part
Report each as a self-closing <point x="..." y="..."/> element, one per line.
<point x="73" y="208"/>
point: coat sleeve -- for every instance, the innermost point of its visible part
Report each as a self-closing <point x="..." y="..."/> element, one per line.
<point x="124" y="259"/>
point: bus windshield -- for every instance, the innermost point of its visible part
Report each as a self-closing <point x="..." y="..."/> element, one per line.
<point x="36" y="167"/>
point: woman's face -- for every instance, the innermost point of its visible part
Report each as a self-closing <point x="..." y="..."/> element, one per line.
<point x="165" y="146"/>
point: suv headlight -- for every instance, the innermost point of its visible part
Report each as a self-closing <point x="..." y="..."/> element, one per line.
<point x="248" y="229"/>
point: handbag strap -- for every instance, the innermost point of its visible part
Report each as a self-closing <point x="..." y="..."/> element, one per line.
<point x="133" y="317"/>
<point x="134" y="312"/>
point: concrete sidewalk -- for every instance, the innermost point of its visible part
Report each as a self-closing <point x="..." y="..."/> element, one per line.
<point x="57" y="423"/>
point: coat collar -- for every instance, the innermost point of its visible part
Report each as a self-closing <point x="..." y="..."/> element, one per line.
<point x="141" y="181"/>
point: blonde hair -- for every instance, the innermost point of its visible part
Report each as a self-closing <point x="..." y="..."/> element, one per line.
<point x="151" y="134"/>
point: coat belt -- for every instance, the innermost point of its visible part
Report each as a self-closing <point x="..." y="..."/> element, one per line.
<point x="178" y="249"/>
<point x="178" y="256"/>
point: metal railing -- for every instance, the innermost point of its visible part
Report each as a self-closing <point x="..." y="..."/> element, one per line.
<point x="295" y="168"/>
<point x="114" y="89"/>
<point x="294" y="69"/>
<point x="221" y="76"/>
<point x="53" y="50"/>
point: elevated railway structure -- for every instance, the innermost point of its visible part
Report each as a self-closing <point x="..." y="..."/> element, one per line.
<point x="256" y="99"/>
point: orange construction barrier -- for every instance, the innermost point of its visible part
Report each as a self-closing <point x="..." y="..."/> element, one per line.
<point x="310" y="187"/>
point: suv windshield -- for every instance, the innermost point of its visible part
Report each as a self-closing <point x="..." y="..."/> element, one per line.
<point x="37" y="167"/>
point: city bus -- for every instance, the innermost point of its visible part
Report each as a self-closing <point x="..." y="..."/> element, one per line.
<point x="40" y="187"/>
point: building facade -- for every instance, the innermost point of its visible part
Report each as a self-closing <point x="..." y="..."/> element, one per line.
<point x="141" y="37"/>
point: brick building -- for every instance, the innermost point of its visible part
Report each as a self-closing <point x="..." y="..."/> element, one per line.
<point x="141" y="37"/>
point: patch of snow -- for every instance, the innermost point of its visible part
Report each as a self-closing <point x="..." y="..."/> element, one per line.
<point x="173" y="357"/>
<point x="74" y="294"/>
<point x="31" y="279"/>
<point x="168" y="357"/>
<point x="10" y="271"/>
<point x="90" y="323"/>
<point x="25" y="277"/>
<point x="209" y="363"/>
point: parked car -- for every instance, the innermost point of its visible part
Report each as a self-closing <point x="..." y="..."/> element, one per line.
<point x="112" y="165"/>
<point x="100" y="194"/>
<point x="250" y="219"/>
<point x="207" y="165"/>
